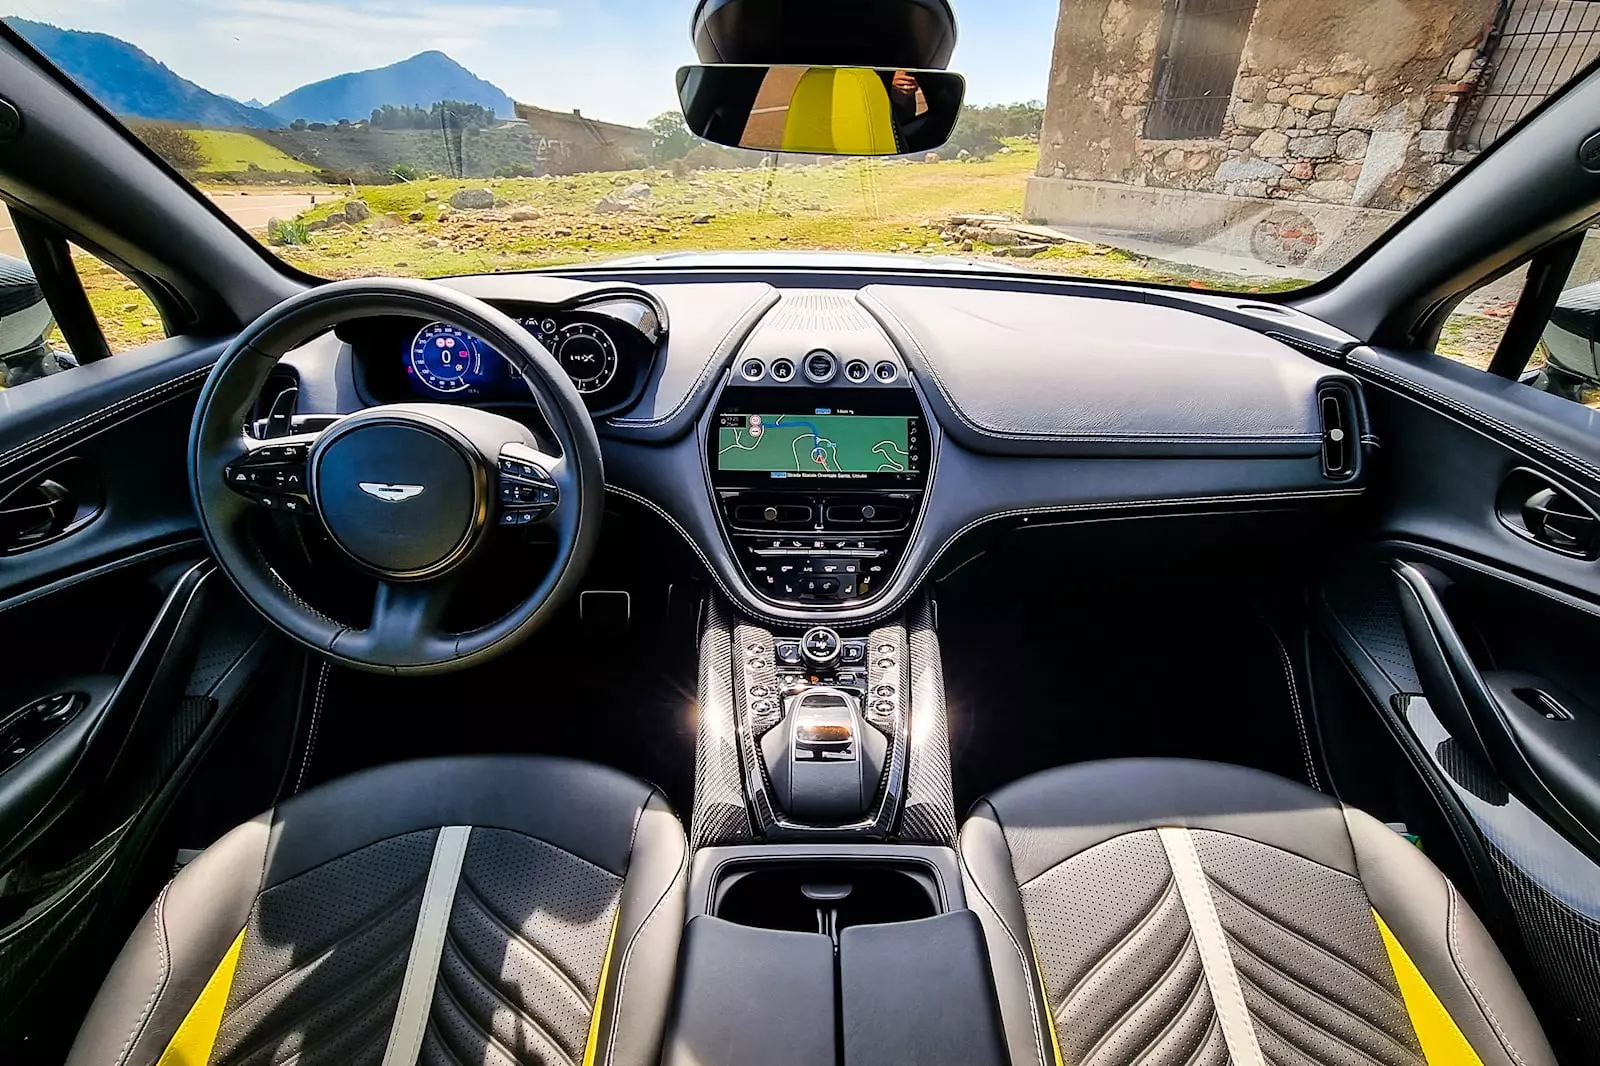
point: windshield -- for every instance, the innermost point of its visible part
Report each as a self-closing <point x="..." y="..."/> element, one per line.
<point x="1244" y="145"/>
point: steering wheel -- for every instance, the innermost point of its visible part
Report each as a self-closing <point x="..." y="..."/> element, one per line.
<point x="409" y="493"/>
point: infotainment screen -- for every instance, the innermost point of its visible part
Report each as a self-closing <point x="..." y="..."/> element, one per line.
<point x="821" y="444"/>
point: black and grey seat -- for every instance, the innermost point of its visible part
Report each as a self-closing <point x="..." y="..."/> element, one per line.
<point x="504" y="911"/>
<point x="1177" y="912"/>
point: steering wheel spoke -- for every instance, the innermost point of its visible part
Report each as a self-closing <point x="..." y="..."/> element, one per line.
<point x="531" y="486"/>
<point x="272" y="473"/>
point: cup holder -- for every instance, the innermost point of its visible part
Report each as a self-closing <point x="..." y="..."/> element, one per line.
<point x="825" y="896"/>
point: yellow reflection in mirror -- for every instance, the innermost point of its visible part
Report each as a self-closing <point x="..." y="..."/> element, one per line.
<point x="830" y="110"/>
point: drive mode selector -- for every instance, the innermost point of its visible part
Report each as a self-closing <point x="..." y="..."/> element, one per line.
<point x="820" y="646"/>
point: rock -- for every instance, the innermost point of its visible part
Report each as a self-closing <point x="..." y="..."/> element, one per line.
<point x="148" y="323"/>
<point x="1248" y="170"/>
<point x="1197" y="161"/>
<point x="1173" y="160"/>
<point x="1357" y="112"/>
<point x="1241" y="142"/>
<point x="1386" y="154"/>
<point x="967" y="246"/>
<point x="1270" y="145"/>
<point x="1433" y="142"/>
<point x="500" y="202"/>
<point x="415" y="216"/>
<point x="1352" y="144"/>
<point x="430" y="196"/>
<point x="1278" y="95"/>
<point x="637" y="191"/>
<point x="608" y="206"/>
<point x="1303" y="101"/>
<point x="1319" y="120"/>
<point x="432" y="242"/>
<point x="1330" y="104"/>
<point x="703" y="219"/>
<point x="1004" y="150"/>
<point x="1297" y="79"/>
<point x="1022" y="251"/>
<point x="1460" y="64"/>
<point x="1320" y="146"/>
<point x="1329" y="172"/>
<point x="963" y="154"/>
<point x="314" y="225"/>
<point x="1440" y="173"/>
<point x="1257" y="116"/>
<point x="356" y="211"/>
<point x="1255" y="189"/>
<point x="561" y="231"/>
<point x="338" y="223"/>
<point x="445" y="211"/>
<point x="1302" y="171"/>
<point x="526" y="214"/>
<point x="1000" y="237"/>
<point x="472" y="199"/>
<point x="931" y="157"/>
<point x="1250" y="89"/>
<point x="1335" y="84"/>
<point x="1334" y="192"/>
<point x="390" y="220"/>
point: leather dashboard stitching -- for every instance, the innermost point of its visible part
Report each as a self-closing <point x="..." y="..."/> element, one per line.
<point x="60" y="433"/>
<point x="163" y="971"/>
<point x="1552" y="451"/>
<point x="1068" y="436"/>
<point x="714" y="361"/>
<point x="894" y="605"/>
<point x="1466" y="974"/>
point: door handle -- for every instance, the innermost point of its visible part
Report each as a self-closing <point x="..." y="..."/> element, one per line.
<point x="1537" y="508"/>
<point x="49" y="506"/>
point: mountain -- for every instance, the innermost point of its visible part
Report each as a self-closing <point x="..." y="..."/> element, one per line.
<point x="131" y="84"/>
<point x="422" y="80"/>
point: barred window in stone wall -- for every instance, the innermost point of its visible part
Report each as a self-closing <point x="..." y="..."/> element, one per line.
<point x="1201" y="41"/>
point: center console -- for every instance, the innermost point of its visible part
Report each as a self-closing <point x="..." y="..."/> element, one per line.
<point x="818" y="466"/>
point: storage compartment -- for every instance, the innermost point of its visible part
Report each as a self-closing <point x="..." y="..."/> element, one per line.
<point x="826" y="896"/>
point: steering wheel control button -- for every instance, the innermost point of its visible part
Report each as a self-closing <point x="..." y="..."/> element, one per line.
<point x="821" y="366"/>
<point x="821" y="646"/>
<point x="753" y="370"/>
<point x="273" y="476"/>
<point x="782" y="370"/>
<point x="527" y="494"/>
<point x="886" y="371"/>
<point x="398" y="495"/>
<point x="857" y="371"/>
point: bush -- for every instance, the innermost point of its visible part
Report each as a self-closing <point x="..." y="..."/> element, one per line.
<point x="174" y="145"/>
<point x="515" y="170"/>
<point x="403" y="172"/>
<point x="287" y="231"/>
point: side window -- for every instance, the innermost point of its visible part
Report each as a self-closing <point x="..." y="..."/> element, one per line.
<point x="61" y="306"/>
<point x="1563" y="358"/>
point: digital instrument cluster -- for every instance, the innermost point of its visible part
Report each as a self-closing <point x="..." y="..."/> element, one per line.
<point x="447" y="360"/>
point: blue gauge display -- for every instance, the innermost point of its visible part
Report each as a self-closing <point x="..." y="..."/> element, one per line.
<point x="448" y="360"/>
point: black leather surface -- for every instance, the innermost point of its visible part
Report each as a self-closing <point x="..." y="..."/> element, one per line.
<point x="752" y="995"/>
<point x="1100" y="377"/>
<point x="896" y="1007"/>
<point x="318" y="882"/>
<point x="1065" y="862"/>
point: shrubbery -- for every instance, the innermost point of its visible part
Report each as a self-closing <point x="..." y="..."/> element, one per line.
<point x="175" y="145"/>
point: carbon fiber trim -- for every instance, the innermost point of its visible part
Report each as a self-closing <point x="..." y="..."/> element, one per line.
<point x="1564" y="947"/>
<point x="720" y="816"/>
<point x="929" y="815"/>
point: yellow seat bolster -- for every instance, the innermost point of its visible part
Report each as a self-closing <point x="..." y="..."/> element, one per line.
<point x="1443" y="1043"/>
<point x="1044" y="998"/>
<point x="600" y="996"/>
<point x="191" y="1044"/>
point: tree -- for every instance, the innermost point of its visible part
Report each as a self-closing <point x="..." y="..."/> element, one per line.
<point x="176" y="146"/>
<point x="669" y="137"/>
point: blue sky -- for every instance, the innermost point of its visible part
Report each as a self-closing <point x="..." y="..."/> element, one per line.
<point x="612" y="58"/>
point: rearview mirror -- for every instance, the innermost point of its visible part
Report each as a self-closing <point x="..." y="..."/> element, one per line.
<point x="821" y="110"/>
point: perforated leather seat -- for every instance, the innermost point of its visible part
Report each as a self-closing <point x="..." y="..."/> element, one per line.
<point x="504" y="911"/>
<point x="1190" y="913"/>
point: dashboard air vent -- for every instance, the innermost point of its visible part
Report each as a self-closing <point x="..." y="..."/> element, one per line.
<point x="816" y="311"/>
<point x="1341" y="437"/>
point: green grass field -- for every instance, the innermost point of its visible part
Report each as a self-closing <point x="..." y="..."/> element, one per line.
<point x="234" y="150"/>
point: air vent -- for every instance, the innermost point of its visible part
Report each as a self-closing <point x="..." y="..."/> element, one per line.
<point x="1341" y="437"/>
<point x="814" y="312"/>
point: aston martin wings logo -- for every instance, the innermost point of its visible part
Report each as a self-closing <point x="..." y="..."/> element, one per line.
<point x="391" y="493"/>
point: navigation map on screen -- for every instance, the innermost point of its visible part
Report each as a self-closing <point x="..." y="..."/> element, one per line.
<point x="817" y="445"/>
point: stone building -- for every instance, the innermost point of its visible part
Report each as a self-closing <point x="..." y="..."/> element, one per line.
<point x="1284" y="130"/>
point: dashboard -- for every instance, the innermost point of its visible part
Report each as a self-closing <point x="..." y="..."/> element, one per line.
<point x="607" y="348"/>
<point x="825" y="439"/>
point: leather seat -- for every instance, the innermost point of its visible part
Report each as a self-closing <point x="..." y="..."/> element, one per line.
<point x="501" y="911"/>
<point x="1178" y="912"/>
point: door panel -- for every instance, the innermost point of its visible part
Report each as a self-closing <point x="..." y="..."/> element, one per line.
<point x="1473" y="632"/>
<point x="126" y="655"/>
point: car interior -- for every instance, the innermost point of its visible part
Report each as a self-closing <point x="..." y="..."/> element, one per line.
<point x="1118" y="674"/>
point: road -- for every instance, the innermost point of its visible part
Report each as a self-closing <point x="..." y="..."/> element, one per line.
<point x="250" y="209"/>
